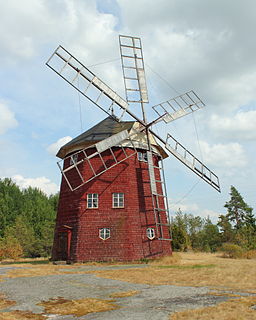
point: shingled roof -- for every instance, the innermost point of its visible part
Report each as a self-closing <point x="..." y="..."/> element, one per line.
<point x="99" y="132"/>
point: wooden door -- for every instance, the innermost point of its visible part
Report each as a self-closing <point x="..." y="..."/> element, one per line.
<point x="62" y="246"/>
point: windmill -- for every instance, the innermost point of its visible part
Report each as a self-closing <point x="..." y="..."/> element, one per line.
<point x="95" y="220"/>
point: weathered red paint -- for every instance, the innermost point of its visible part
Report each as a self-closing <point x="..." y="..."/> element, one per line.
<point x="128" y="225"/>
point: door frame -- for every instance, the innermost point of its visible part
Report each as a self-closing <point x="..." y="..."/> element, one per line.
<point x="68" y="230"/>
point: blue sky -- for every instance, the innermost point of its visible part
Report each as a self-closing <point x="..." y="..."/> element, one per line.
<point x="202" y="45"/>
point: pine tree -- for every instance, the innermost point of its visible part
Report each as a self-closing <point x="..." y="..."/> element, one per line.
<point x="226" y="229"/>
<point x="238" y="209"/>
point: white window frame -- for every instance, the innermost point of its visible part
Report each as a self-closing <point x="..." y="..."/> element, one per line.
<point x="92" y="200"/>
<point x="151" y="234"/>
<point x="118" y="200"/>
<point x="73" y="159"/>
<point x="104" y="233"/>
<point x="142" y="156"/>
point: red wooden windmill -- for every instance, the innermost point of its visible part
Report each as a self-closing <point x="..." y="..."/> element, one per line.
<point x="113" y="202"/>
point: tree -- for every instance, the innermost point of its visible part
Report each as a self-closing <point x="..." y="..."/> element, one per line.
<point x="10" y="248"/>
<point x="240" y="222"/>
<point x="194" y="226"/>
<point x="226" y="230"/>
<point x="180" y="236"/>
<point x="10" y="203"/>
<point x="210" y="236"/>
<point x="24" y="233"/>
<point x="238" y="210"/>
<point x="27" y="217"/>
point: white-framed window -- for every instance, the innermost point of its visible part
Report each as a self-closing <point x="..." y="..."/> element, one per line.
<point x="73" y="159"/>
<point x="104" y="233"/>
<point x="118" y="200"/>
<point x="142" y="156"/>
<point x="92" y="200"/>
<point x="151" y="233"/>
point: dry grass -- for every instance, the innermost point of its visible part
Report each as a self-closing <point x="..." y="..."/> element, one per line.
<point x="124" y="294"/>
<point x="21" y="315"/>
<point x="16" y="315"/>
<point x="4" y="303"/>
<point x="37" y="270"/>
<point x="194" y="269"/>
<point x="79" y="307"/>
<point x="174" y="259"/>
<point x="235" y="309"/>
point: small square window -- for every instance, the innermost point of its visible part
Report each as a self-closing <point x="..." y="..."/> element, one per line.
<point x="118" y="200"/>
<point x="142" y="156"/>
<point x="73" y="159"/>
<point x="92" y="200"/>
<point x="151" y="233"/>
<point x="104" y="233"/>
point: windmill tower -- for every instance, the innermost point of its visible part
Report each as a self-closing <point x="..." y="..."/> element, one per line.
<point x="113" y="201"/>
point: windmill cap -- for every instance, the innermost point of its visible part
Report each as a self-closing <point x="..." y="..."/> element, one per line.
<point x="104" y="129"/>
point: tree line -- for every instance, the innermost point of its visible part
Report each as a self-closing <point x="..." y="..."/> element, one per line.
<point x="237" y="228"/>
<point x="27" y="219"/>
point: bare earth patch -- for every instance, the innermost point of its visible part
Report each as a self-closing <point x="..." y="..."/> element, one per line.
<point x="79" y="307"/>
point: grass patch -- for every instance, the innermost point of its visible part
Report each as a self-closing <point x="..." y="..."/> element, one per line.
<point x="79" y="307"/>
<point x="32" y="262"/>
<point x="194" y="269"/>
<point x="173" y="259"/>
<point x="124" y="294"/>
<point x="235" y="309"/>
<point x="21" y="315"/>
<point x="196" y="266"/>
<point x="38" y="270"/>
<point x="4" y="303"/>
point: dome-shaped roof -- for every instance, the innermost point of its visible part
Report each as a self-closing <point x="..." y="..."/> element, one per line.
<point x="104" y="129"/>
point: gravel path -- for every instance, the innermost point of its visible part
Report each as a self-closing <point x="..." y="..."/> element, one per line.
<point x="152" y="302"/>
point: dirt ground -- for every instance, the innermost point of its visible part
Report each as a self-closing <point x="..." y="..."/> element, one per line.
<point x="183" y="288"/>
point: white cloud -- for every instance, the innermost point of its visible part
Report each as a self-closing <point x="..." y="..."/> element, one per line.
<point x="7" y="119"/>
<point x="203" y="46"/>
<point x="54" y="147"/>
<point x="184" y="207"/>
<point x="41" y="183"/>
<point x="37" y="22"/>
<point x="192" y="208"/>
<point x="226" y="156"/>
<point x="241" y="126"/>
<point x="211" y="213"/>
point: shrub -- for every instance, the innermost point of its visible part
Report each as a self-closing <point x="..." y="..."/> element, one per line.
<point x="231" y="250"/>
<point x="10" y="248"/>
<point x="251" y="254"/>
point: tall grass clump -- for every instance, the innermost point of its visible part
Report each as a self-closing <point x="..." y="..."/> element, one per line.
<point x="231" y="250"/>
<point x="173" y="259"/>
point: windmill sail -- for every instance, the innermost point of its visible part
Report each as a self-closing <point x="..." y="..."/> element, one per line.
<point x="187" y="158"/>
<point x="178" y="107"/>
<point x="87" y="83"/>
<point x="151" y="170"/>
<point x="73" y="166"/>
<point x="133" y="69"/>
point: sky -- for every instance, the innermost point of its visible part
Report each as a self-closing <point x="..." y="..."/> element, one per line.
<point x="205" y="46"/>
